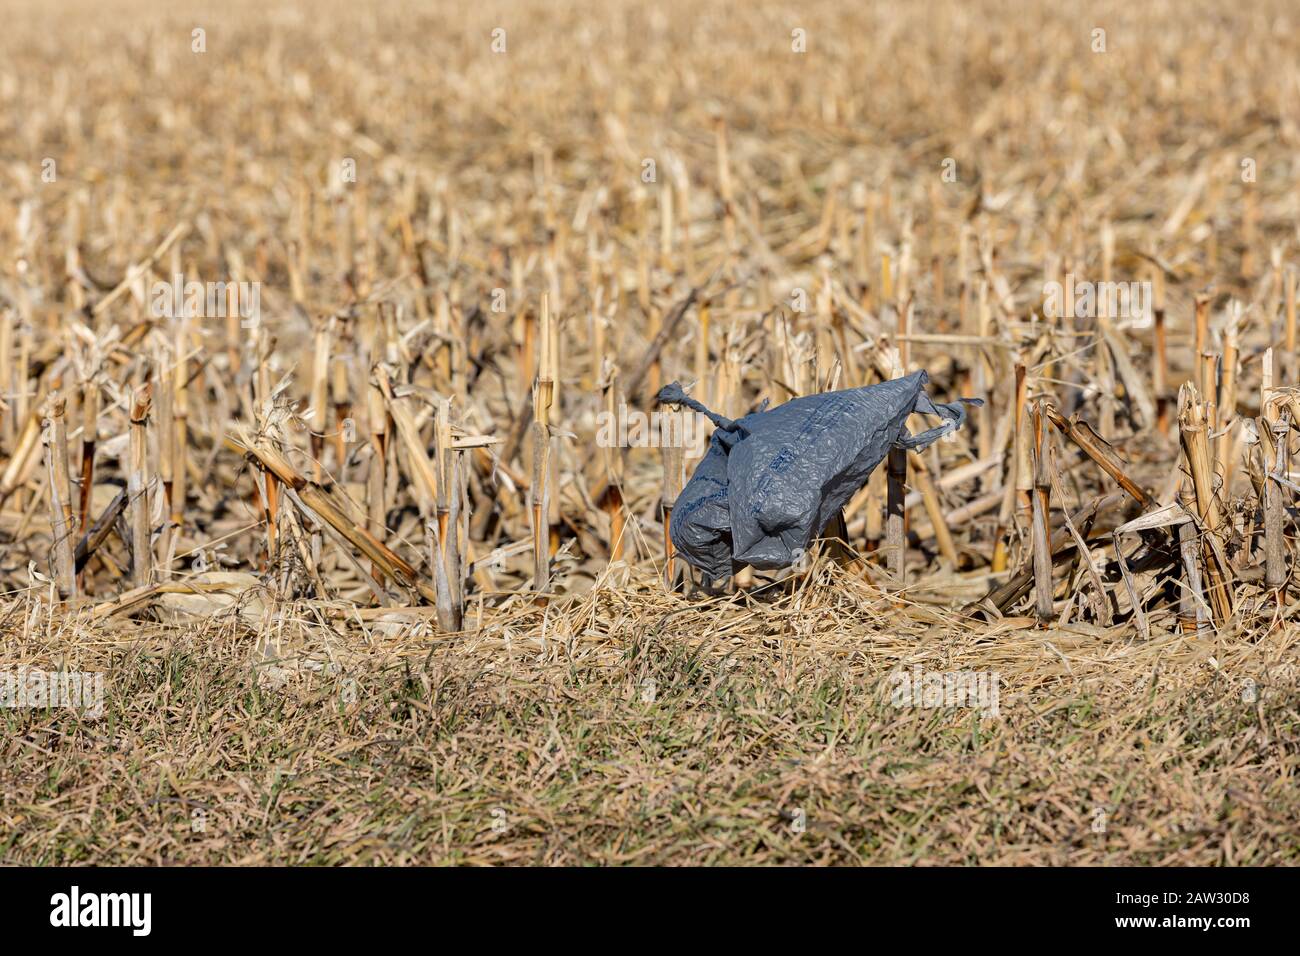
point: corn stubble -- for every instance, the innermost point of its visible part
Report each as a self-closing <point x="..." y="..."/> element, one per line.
<point x="389" y="480"/>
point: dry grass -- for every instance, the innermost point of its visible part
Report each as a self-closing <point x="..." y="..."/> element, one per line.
<point x="295" y="475"/>
<point x="758" y="710"/>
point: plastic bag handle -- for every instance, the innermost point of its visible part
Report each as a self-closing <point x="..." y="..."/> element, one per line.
<point x="954" y="412"/>
<point x="673" y="394"/>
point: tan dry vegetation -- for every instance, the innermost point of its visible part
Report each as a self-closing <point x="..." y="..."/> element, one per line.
<point x="303" y="630"/>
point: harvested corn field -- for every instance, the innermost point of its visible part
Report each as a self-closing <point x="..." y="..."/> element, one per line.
<point x="348" y="512"/>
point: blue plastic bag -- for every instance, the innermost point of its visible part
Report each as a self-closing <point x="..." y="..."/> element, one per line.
<point x="771" y="481"/>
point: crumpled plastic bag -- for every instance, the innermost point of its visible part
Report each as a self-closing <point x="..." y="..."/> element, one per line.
<point x="771" y="481"/>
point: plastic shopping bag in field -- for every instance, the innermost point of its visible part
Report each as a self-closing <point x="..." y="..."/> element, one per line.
<point x="771" y="481"/>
